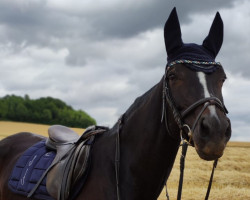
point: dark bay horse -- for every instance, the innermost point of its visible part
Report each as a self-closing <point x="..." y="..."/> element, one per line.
<point x="189" y="95"/>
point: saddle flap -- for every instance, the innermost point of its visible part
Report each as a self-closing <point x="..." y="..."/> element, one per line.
<point x="69" y="166"/>
<point x="56" y="175"/>
<point x="72" y="159"/>
<point x="81" y="161"/>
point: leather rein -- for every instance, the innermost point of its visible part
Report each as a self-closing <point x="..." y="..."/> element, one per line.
<point x="179" y="119"/>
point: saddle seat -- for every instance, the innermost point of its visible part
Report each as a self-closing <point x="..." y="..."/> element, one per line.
<point x="69" y="167"/>
<point x="60" y="135"/>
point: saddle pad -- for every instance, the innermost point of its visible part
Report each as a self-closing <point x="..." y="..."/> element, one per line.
<point x="28" y="170"/>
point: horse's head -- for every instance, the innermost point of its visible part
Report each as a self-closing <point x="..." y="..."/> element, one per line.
<point x="194" y="86"/>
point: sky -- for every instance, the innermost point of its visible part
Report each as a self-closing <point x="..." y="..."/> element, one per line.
<point x="100" y="55"/>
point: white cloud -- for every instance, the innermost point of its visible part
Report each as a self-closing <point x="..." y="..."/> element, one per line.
<point x="236" y="96"/>
<point x="240" y="131"/>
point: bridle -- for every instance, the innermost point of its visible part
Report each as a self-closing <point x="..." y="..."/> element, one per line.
<point x="180" y="116"/>
<point x="179" y="119"/>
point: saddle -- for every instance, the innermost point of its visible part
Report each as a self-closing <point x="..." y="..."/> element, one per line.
<point x="71" y="161"/>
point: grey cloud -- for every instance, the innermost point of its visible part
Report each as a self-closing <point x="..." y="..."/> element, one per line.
<point x="35" y="23"/>
<point x="131" y="20"/>
<point x="117" y="51"/>
<point x="33" y="20"/>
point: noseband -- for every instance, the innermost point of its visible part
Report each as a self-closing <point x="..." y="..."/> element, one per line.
<point x="179" y="119"/>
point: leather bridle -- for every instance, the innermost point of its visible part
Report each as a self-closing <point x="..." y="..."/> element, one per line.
<point x="180" y="116"/>
<point x="179" y="119"/>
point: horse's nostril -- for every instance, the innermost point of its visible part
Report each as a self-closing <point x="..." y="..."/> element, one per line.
<point x="204" y="128"/>
<point x="212" y="127"/>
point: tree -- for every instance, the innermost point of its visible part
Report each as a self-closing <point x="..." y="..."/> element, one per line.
<point x="44" y="110"/>
<point x="21" y="112"/>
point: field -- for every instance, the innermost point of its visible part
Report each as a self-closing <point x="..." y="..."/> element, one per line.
<point x="231" y="179"/>
<point x="8" y="128"/>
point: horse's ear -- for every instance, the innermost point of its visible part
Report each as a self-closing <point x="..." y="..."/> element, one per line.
<point x="214" y="39"/>
<point x="172" y="33"/>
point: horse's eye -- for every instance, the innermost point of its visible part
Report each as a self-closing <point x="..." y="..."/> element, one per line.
<point x="172" y="76"/>
<point x="223" y="79"/>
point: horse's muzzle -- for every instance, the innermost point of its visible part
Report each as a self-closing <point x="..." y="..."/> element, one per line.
<point x="211" y="136"/>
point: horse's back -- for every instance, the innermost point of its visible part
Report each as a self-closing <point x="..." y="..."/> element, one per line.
<point x="11" y="148"/>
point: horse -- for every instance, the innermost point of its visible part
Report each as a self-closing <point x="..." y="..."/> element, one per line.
<point x="133" y="159"/>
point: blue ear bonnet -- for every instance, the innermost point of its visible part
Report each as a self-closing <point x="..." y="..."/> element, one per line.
<point x="196" y="57"/>
<point x="191" y="52"/>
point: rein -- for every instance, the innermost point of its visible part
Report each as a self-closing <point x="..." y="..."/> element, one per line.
<point x="117" y="157"/>
<point x="167" y="97"/>
<point x="185" y="145"/>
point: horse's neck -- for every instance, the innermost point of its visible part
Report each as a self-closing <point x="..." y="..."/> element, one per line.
<point x="147" y="150"/>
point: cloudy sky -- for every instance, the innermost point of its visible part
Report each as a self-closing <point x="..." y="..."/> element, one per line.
<point x="100" y="55"/>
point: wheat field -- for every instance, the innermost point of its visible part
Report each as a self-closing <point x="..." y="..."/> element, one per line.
<point x="231" y="178"/>
<point x="8" y="128"/>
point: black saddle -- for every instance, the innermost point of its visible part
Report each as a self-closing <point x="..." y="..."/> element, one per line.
<point x="71" y="161"/>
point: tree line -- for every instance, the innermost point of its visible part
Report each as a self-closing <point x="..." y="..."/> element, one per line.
<point x="43" y="110"/>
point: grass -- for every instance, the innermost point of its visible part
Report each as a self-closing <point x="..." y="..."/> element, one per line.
<point x="231" y="178"/>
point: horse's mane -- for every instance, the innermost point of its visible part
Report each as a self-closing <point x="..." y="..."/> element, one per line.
<point x="138" y="103"/>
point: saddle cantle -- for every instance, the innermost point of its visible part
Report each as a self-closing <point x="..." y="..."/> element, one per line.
<point x="59" y="135"/>
<point x="68" y="169"/>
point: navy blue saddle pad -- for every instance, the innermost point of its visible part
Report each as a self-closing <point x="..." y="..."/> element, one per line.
<point x="28" y="170"/>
